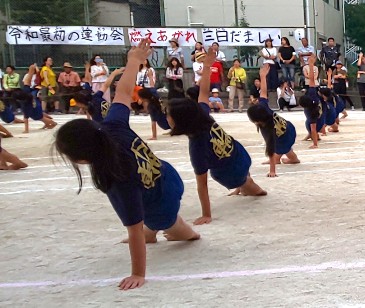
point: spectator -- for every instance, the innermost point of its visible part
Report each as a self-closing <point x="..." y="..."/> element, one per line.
<point x="285" y="96"/>
<point x="175" y="51"/>
<point x="237" y="77"/>
<point x="287" y="59"/>
<point x="11" y="83"/>
<point x="216" y="75"/>
<point x="305" y="52"/>
<point x="70" y="83"/>
<point x="49" y="86"/>
<point x="198" y="66"/>
<point x="339" y="83"/>
<point x="361" y="78"/>
<point x="220" y="54"/>
<point x="146" y="77"/>
<point x="215" y="101"/>
<point x="198" y="48"/>
<point x="269" y="53"/>
<point x="1" y="81"/>
<point x="99" y="73"/>
<point x="330" y="54"/>
<point x="255" y="91"/>
<point x="174" y="74"/>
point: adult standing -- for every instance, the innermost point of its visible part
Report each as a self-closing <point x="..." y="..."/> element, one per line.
<point x="269" y="53"/>
<point x="221" y="57"/>
<point x="70" y="83"/>
<point x="175" y="51"/>
<point x="305" y="52"/>
<point x="174" y="74"/>
<point x="216" y="75"/>
<point x="198" y="67"/>
<point x="330" y="54"/>
<point x="146" y="77"/>
<point x="198" y="48"/>
<point x="49" y="86"/>
<point x="339" y="83"/>
<point x="99" y="73"/>
<point x="237" y="77"/>
<point x="361" y="78"/>
<point x="287" y="59"/>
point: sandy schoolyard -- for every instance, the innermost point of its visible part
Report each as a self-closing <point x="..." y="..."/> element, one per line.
<point x="300" y="246"/>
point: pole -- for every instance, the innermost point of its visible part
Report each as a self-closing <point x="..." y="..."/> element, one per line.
<point x="162" y="13"/>
<point x="8" y="21"/>
<point x="236" y="24"/>
<point x="87" y="23"/>
<point x="307" y="22"/>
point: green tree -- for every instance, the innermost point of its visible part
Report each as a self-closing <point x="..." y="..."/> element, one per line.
<point x="355" y="24"/>
<point x="246" y="52"/>
<point x="50" y="13"/>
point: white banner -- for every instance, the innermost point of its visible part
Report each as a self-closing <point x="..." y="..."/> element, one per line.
<point x="59" y="35"/>
<point x="240" y="36"/>
<point x="160" y="36"/>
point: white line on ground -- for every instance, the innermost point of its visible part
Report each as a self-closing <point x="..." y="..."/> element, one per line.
<point x="295" y="269"/>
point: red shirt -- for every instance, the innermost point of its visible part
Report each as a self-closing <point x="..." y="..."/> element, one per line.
<point x="216" y="72"/>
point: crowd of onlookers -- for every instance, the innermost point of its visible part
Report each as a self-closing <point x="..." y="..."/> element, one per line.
<point x="232" y="78"/>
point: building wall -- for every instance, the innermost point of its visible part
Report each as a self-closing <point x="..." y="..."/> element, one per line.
<point x="264" y="13"/>
<point x="113" y="14"/>
<point x="208" y="12"/>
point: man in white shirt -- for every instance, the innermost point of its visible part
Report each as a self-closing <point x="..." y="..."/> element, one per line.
<point x="198" y="66"/>
<point x="221" y="57"/>
<point x="305" y="52"/>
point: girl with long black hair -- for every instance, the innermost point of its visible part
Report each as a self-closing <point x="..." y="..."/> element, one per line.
<point x="279" y="134"/>
<point x="210" y="147"/>
<point x="144" y="190"/>
<point x="152" y="103"/>
<point x="174" y="73"/>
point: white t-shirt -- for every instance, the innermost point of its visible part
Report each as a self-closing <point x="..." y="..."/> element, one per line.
<point x="221" y="56"/>
<point x="1" y="77"/>
<point x="32" y="83"/>
<point x="307" y="49"/>
<point x="175" y="53"/>
<point x="197" y="67"/>
<point x="267" y="52"/>
<point x="143" y="79"/>
<point x="97" y="69"/>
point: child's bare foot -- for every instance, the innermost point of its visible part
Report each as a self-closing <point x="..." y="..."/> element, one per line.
<point x="181" y="231"/>
<point x="3" y="166"/>
<point x="333" y="130"/>
<point x="250" y="188"/>
<point x="18" y="121"/>
<point x="152" y="138"/>
<point x="51" y="125"/>
<point x="236" y="192"/>
<point x="288" y="161"/>
<point x="20" y="165"/>
<point x="167" y="133"/>
<point x="307" y="138"/>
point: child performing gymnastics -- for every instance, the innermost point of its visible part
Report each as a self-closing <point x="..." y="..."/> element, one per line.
<point x="7" y="158"/>
<point x="144" y="190"/>
<point x="279" y="134"/>
<point x="152" y="103"/>
<point x="31" y="105"/>
<point x="95" y="105"/>
<point x="210" y="147"/>
<point x="314" y="113"/>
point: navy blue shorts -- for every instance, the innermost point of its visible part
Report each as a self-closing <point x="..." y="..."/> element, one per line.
<point x="331" y="114"/>
<point x="234" y="174"/>
<point x="285" y="142"/>
<point x="162" y="214"/>
<point x="6" y="114"/>
<point x="32" y="110"/>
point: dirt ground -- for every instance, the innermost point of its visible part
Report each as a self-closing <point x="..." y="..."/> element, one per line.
<point x="300" y="246"/>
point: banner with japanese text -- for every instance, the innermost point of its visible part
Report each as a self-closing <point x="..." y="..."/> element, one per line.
<point x="160" y="37"/>
<point x="240" y="36"/>
<point x="67" y="35"/>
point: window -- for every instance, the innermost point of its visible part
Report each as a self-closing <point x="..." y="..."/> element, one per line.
<point x="337" y="5"/>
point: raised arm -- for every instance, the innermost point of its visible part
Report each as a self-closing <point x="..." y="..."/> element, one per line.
<point x="31" y="71"/>
<point x="264" y="70"/>
<point x="125" y="86"/>
<point x="329" y="78"/>
<point x="205" y="79"/>
<point x="311" y="62"/>
<point x="87" y="77"/>
<point x="110" y="79"/>
<point x="359" y="61"/>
